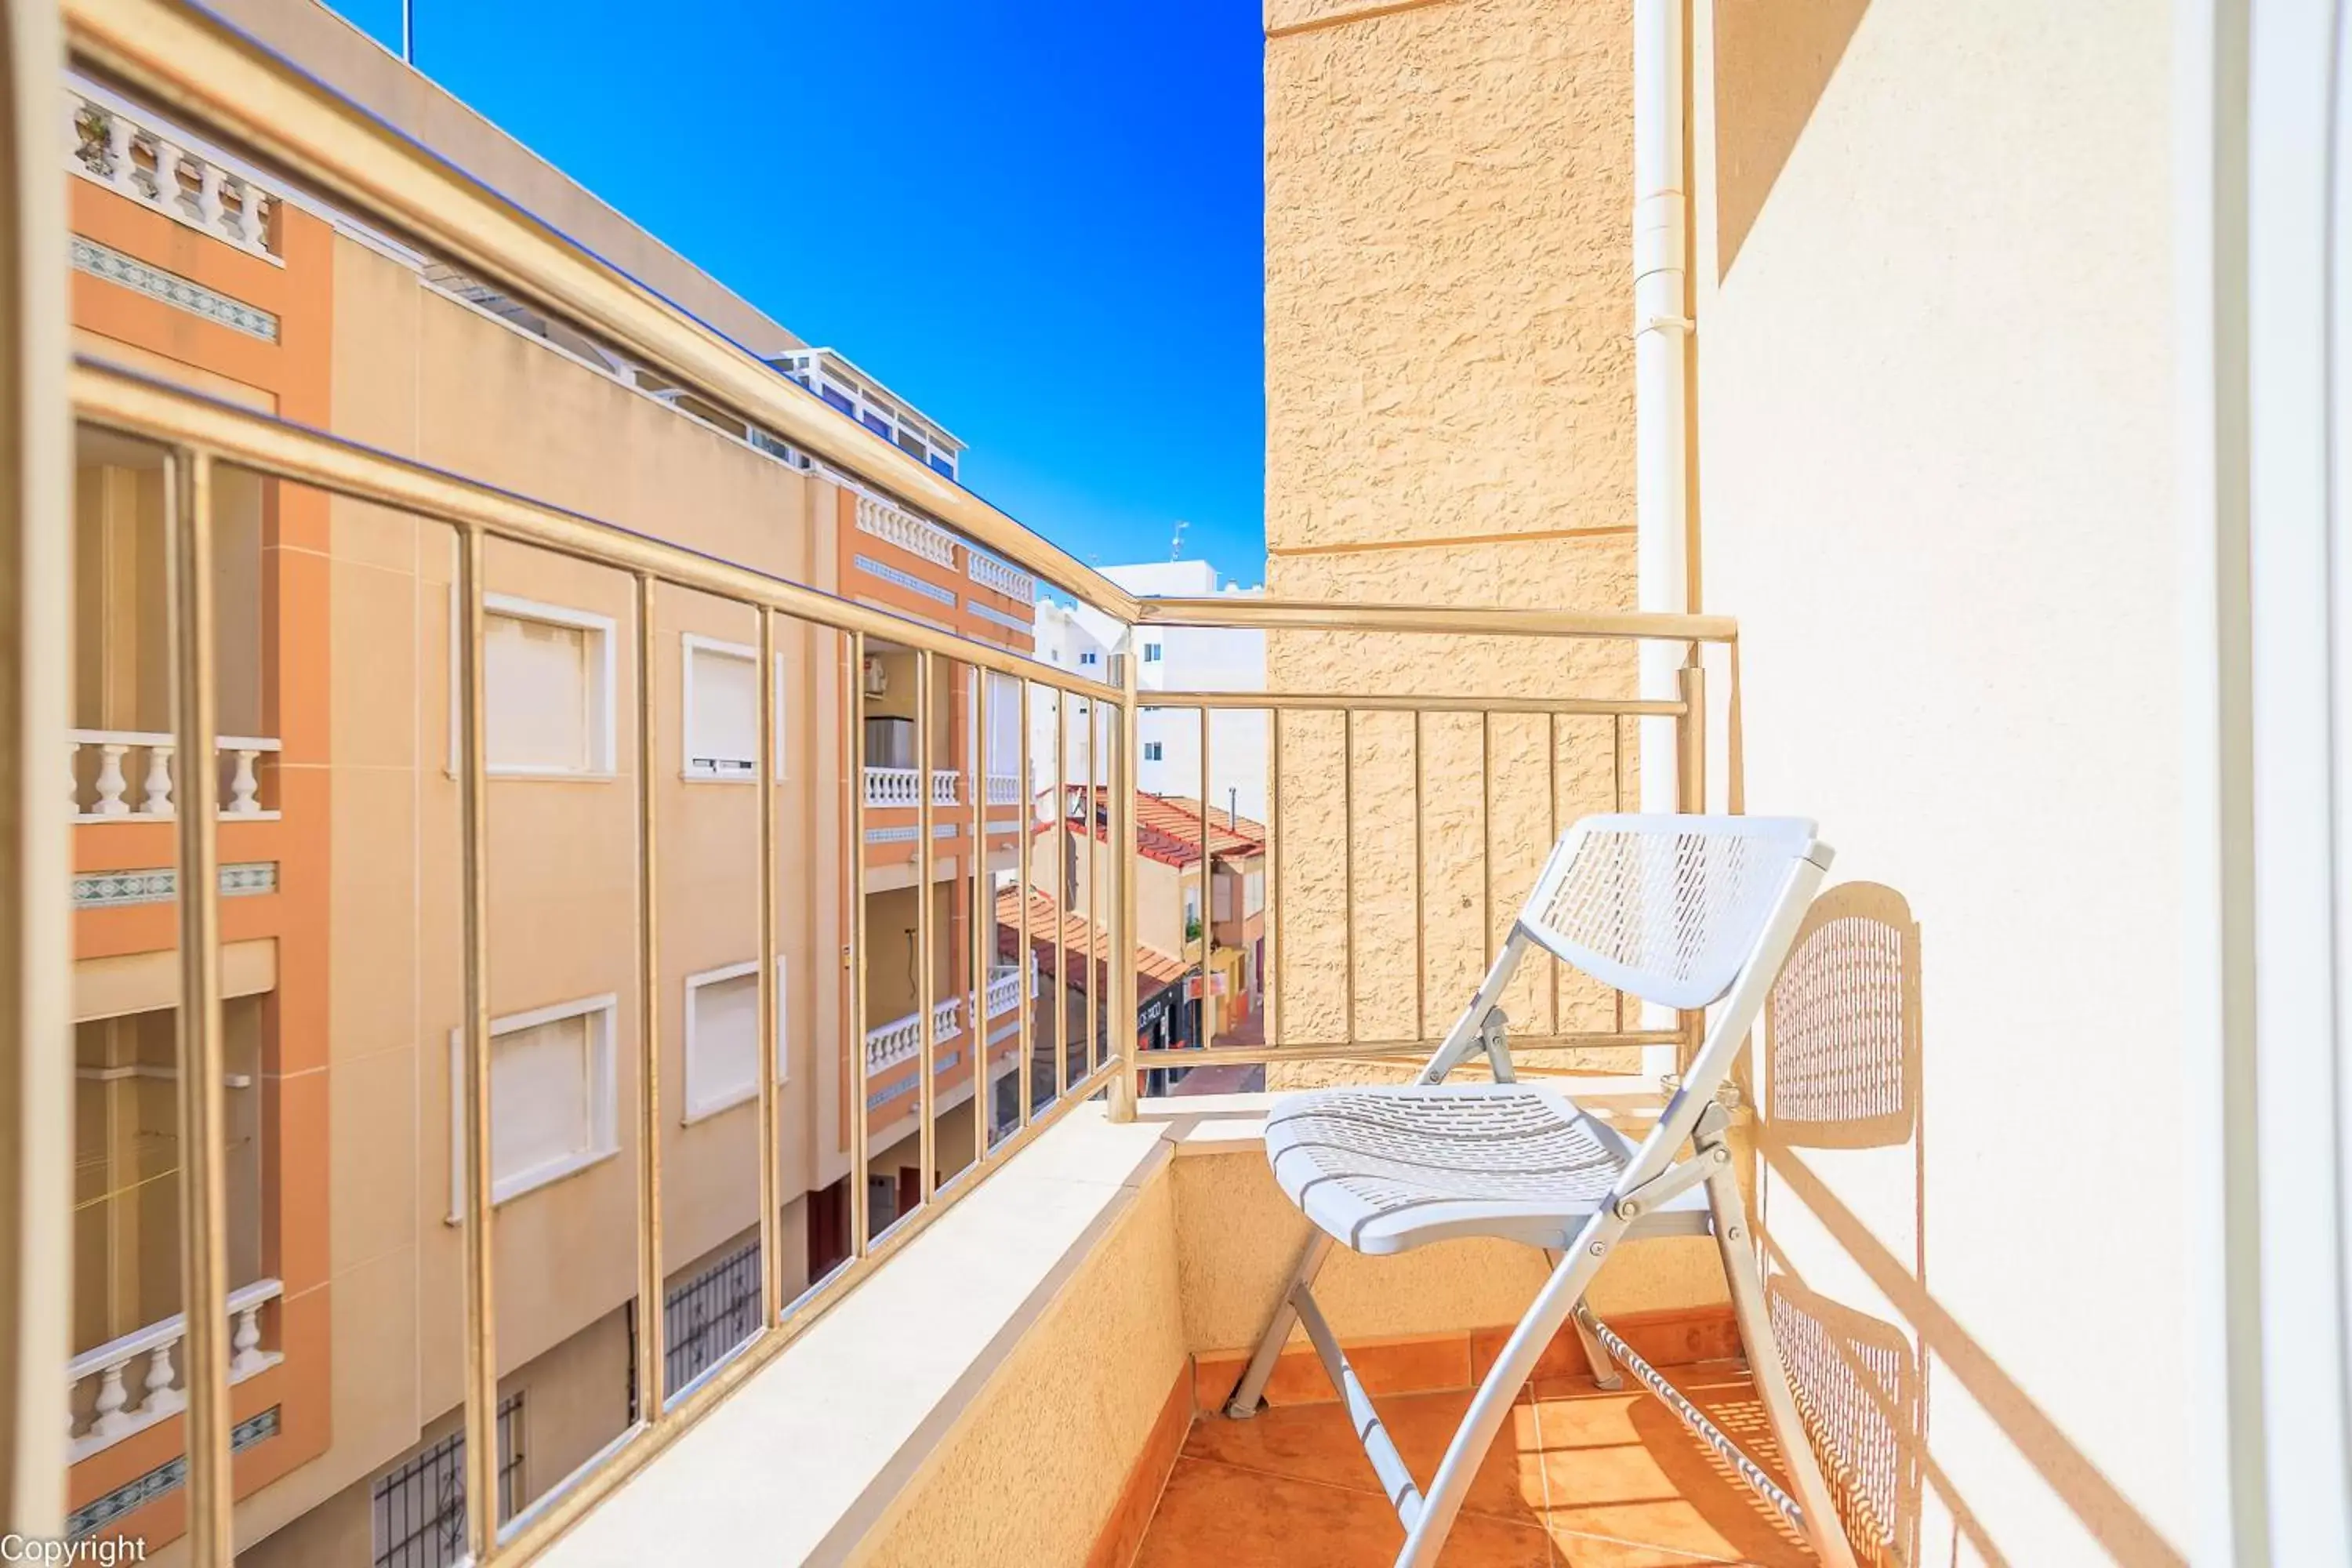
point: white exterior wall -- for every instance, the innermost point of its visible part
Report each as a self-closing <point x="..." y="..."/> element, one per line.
<point x="1191" y="659"/>
<point x="1937" y="490"/>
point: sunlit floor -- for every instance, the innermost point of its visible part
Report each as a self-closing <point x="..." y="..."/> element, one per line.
<point x="1580" y="1478"/>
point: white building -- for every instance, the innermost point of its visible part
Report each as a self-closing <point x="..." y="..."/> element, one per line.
<point x="1171" y="659"/>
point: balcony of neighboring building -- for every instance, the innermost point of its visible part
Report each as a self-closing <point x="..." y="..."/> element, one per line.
<point x="128" y="777"/>
<point x="895" y="559"/>
<point x="901" y="778"/>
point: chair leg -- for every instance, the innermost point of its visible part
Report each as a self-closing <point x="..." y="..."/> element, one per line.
<point x="1252" y="1387"/>
<point x="1605" y="1375"/>
<point x="1425" y="1534"/>
<point x="1743" y="1270"/>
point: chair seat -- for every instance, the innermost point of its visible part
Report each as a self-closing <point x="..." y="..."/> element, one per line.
<point x="1383" y="1170"/>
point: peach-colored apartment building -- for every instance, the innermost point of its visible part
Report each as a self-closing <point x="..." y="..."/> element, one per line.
<point x="340" y="805"/>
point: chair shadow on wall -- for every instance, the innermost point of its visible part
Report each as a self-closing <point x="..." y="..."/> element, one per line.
<point x="1843" y="1073"/>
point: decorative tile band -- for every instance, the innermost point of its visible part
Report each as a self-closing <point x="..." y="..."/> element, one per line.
<point x="118" y="889"/>
<point x="876" y="1101"/>
<point x="991" y="613"/>
<point x="167" y="1477"/>
<point x="908" y="580"/>
<point x="105" y="261"/>
<point x="908" y="835"/>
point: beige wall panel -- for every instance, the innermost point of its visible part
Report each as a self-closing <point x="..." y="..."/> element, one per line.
<point x="1448" y="235"/>
<point x="1937" y="431"/>
<point x="1033" y="1465"/>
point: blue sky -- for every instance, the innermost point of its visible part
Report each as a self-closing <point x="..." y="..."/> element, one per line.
<point x="1084" y="303"/>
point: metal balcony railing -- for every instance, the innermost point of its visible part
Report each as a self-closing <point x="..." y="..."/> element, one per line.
<point x="1327" y="839"/>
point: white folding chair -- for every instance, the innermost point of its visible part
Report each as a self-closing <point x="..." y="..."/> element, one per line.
<point x="1684" y="912"/>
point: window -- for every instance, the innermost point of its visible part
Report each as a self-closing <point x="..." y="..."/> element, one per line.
<point x="419" y="1510"/>
<point x="838" y="399"/>
<point x="944" y="465"/>
<point x="1088" y="656"/>
<point x="875" y="423"/>
<point x="552" y="1098"/>
<point x="1254" y="893"/>
<point x="708" y="1316"/>
<point x="1151" y="653"/>
<point x="547" y="688"/>
<point x="722" y="1025"/>
<point x="1152" y="751"/>
<point x="722" y="706"/>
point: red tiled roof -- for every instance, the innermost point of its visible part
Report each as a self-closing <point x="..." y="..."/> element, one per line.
<point x="1082" y="939"/>
<point x="1168" y="826"/>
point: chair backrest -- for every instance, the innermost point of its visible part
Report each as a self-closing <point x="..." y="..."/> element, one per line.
<point x="1668" y="909"/>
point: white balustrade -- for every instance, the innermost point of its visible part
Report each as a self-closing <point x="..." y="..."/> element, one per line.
<point x="1004" y="789"/>
<point x="989" y="573"/>
<point x="107" y="144"/>
<point x="103" y="798"/>
<point x="156" y="1351"/>
<point x="904" y="529"/>
<point x="1004" y="989"/>
<point x="891" y="786"/>
<point x="901" y="1038"/>
<point x="947" y="786"/>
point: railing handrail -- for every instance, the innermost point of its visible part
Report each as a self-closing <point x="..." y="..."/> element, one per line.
<point x="1236" y="611"/>
<point x="165" y="1330"/>
<point x="117" y="398"/>
<point x="157" y="48"/>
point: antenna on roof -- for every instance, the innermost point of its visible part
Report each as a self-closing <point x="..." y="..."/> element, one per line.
<point x="1176" y="544"/>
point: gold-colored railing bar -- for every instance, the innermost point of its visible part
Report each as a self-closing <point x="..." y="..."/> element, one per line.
<point x="123" y="400"/>
<point x="1024" y="956"/>
<point x="1347" y="864"/>
<point x="36" y="1086"/>
<point x="1690" y="788"/>
<point x="1273" y="877"/>
<point x="1099" y="965"/>
<point x="473" y="799"/>
<point x="982" y="921"/>
<point x="1388" y="1050"/>
<point x="1121" y="770"/>
<point x="772" y="1275"/>
<point x="202" y="1116"/>
<point x="856" y="959"/>
<point x="1617" y="804"/>
<point x="1486" y="841"/>
<point x="926" y="987"/>
<point x="1420" y="905"/>
<point x="1208" y="880"/>
<point x="651" y="1332"/>
<point x="1062" y="882"/>
<point x="1320" y="615"/>
<point x="1552" y="837"/>
<point x="193" y="66"/>
<point x="1734" y="740"/>
<point x="1370" y="702"/>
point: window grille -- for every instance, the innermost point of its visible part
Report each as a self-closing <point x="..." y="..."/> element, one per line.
<point x="420" y="1509"/>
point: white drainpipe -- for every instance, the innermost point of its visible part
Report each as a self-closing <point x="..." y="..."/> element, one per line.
<point x="1661" y="318"/>
<point x="1661" y="422"/>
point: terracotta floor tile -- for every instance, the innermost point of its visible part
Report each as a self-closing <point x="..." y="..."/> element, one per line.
<point x="1315" y="1443"/>
<point x="1626" y="1481"/>
<point x="1613" y="1480"/>
<point x="1218" y="1515"/>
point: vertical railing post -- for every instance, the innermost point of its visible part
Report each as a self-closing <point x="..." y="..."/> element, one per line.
<point x="771" y="1263"/>
<point x="927" y="1031"/>
<point x="481" y="1354"/>
<point x="1274" y="950"/>
<point x="1119" y="835"/>
<point x="204" y="1207"/>
<point x="1064" y="886"/>
<point x="1022" y="954"/>
<point x="652" y="1332"/>
<point x="1690" y="787"/>
<point x="854" y="956"/>
<point x="983" y="922"/>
